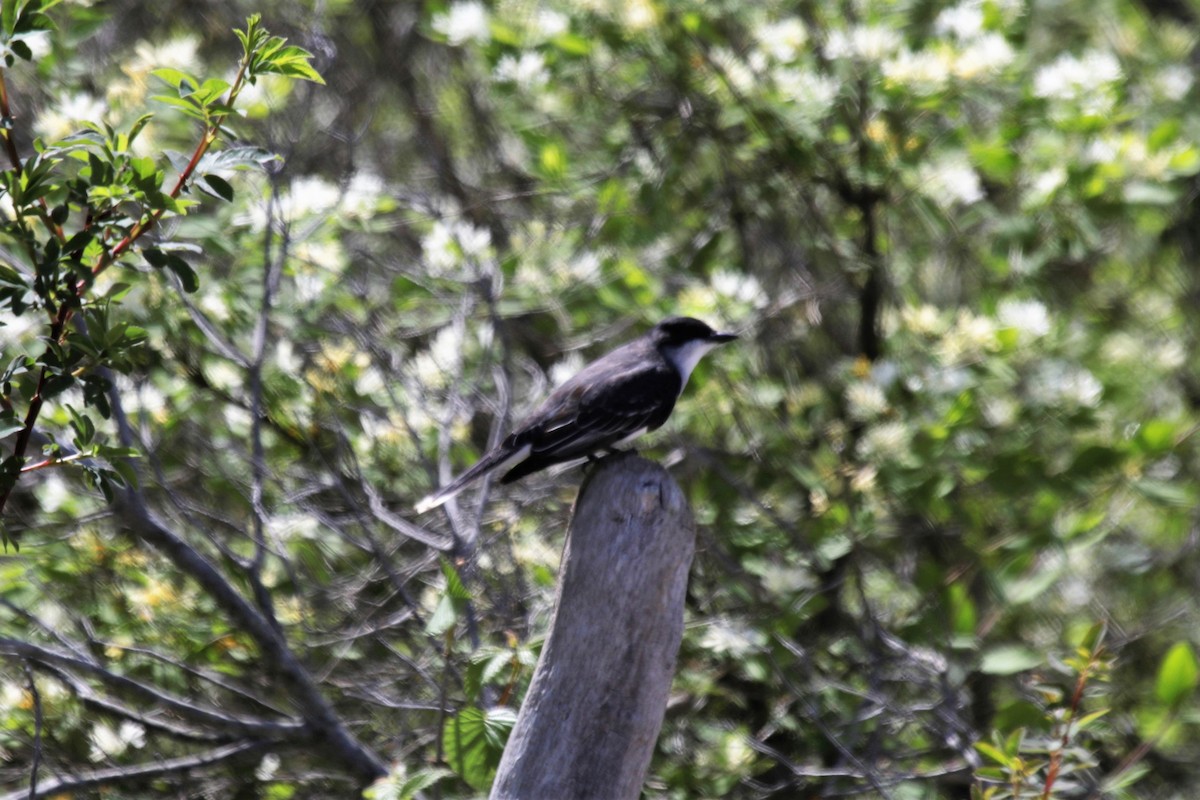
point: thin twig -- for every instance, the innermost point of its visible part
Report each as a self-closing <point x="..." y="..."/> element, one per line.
<point x="36" y="761"/>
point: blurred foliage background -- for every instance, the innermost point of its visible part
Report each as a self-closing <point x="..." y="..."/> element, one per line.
<point x="947" y="483"/>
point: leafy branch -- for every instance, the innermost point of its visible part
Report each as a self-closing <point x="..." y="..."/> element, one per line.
<point x="113" y="198"/>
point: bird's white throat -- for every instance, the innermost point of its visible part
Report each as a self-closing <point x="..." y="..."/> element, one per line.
<point x="686" y="356"/>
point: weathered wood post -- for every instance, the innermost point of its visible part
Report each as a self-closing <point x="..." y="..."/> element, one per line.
<point x="588" y="724"/>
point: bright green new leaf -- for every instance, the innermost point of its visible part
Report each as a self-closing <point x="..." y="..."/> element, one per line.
<point x="1178" y="675"/>
<point x="1009" y="660"/>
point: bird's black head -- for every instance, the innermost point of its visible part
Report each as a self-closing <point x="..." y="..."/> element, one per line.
<point x="678" y="331"/>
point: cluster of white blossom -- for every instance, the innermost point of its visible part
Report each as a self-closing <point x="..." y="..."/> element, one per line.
<point x="865" y="400"/>
<point x="964" y="49"/>
<point x="450" y="243"/>
<point x="1086" y="82"/>
<point x="950" y="180"/>
<point x="527" y="71"/>
<point x="463" y="23"/>
<point x="107" y="742"/>
<point x="1029" y="317"/>
<point x="1064" y="384"/>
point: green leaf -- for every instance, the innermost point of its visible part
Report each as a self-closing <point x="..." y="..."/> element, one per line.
<point x="211" y="90"/>
<point x="1009" y="660"/>
<point x="1170" y="494"/>
<point x="1156" y="436"/>
<point x="1178" y="675"/>
<point x="218" y="187"/>
<point x="443" y="617"/>
<point x="421" y="781"/>
<point x="572" y="44"/>
<point x="993" y="752"/>
<point x="454" y="585"/>
<point x="293" y="61"/>
<point x="177" y="79"/>
<point x="1087" y="719"/>
<point x="1127" y="778"/>
<point x="474" y="741"/>
<point x="553" y="160"/>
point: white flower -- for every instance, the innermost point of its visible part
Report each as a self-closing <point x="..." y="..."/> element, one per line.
<point x="736" y="71"/>
<point x="1074" y="78"/>
<point x="782" y="40"/>
<point x="1169" y="356"/>
<point x="64" y="116"/>
<point x="999" y="411"/>
<point x="53" y="493"/>
<point x="867" y="42"/>
<point x="107" y="742"/>
<point x="739" y="287"/>
<point x="550" y="23"/>
<point x="449" y="243"/>
<point x="724" y="636"/>
<point x="807" y="94"/>
<point x="639" y="14"/>
<point x="988" y="53"/>
<point x="865" y="400"/>
<point x="925" y="72"/>
<point x="464" y="22"/>
<point x="1174" y="82"/>
<point x="784" y="578"/>
<point x="951" y="180"/>
<point x="924" y="320"/>
<point x="963" y="21"/>
<point x="968" y="340"/>
<point x="310" y="194"/>
<point x="584" y="268"/>
<point x="527" y="70"/>
<point x="1058" y="383"/>
<point x="146" y="398"/>
<point x="1027" y="316"/>
<point x="1045" y="184"/>
<point x="863" y="480"/>
<point x="442" y="357"/>
<point x="286" y="358"/>
<point x="14" y="695"/>
<point x="889" y="441"/>
<point x="370" y="382"/>
<point x="362" y="194"/>
<point x="182" y="53"/>
<point x="307" y="195"/>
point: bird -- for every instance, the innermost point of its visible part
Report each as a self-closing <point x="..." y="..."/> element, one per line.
<point x="607" y="404"/>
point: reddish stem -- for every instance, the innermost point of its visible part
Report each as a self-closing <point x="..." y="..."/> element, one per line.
<point x="65" y="311"/>
<point x="1076" y="699"/>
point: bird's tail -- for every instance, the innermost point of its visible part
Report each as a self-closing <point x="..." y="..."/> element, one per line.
<point x="498" y="459"/>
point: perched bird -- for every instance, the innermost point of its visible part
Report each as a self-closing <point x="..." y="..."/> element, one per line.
<point x="611" y="401"/>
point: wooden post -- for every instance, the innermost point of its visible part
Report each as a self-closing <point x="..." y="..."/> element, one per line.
<point x="589" y="722"/>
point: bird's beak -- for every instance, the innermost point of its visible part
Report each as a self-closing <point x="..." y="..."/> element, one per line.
<point x="722" y="338"/>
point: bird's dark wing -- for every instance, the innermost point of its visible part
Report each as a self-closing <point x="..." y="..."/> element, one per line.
<point x="613" y="398"/>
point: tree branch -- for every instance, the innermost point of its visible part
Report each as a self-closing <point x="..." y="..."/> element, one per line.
<point x="231" y="723"/>
<point x="139" y="772"/>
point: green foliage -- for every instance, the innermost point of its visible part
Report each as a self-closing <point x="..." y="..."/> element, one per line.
<point x="474" y="741"/>
<point x="399" y="785"/>
<point x="1177" y="677"/>
<point x="960" y="425"/>
<point x="1049" y="763"/>
<point x="80" y="205"/>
